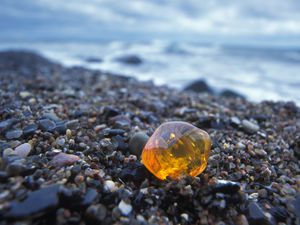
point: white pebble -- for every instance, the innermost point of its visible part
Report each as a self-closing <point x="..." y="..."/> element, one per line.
<point x="109" y="185"/>
<point x="125" y="208"/>
<point x="23" y="150"/>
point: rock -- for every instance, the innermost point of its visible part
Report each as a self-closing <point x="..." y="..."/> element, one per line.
<point x="231" y="94"/>
<point x="130" y="60"/>
<point x="96" y="213"/>
<point x="23" y="150"/>
<point x="120" y="122"/>
<point x="72" y="124"/>
<point x="36" y="204"/>
<point x="24" y="94"/>
<point x="113" y="132"/>
<point x="13" y="134"/>
<point x="260" y="152"/>
<point x="16" y="168"/>
<point x="255" y="214"/>
<point x="125" y="208"/>
<point x="90" y="196"/>
<point x="51" y="116"/>
<point x="30" y="129"/>
<point x="93" y="60"/>
<point x="235" y="121"/>
<point x="63" y="159"/>
<point x="250" y="127"/>
<point x="137" y="142"/>
<point x="296" y="206"/>
<point x="211" y="122"/>
<point x="61" y="141"/>
<point x="6" y="152"/>
<point x="280" y="213"/>
<point x="134" y="171"/>
<point x="110" y="186"/>
<point x="46" y="124"/>
<point x="225" y="186"/>
<point x="7" y="124"/>
<point x="199" y="86"/>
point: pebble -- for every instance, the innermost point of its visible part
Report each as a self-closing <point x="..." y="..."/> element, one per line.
<point x="7" y="152"/>
<point x="46" y="124"/>
<point x="249" y="126"/>
<point x="260" y="152"/>
<point x="125" y="208"/>
<point x="72" y="124"/>
<point x="61" y="141"/>
<point x="137" y="142"/>
<point x="37" y="203"/>
<point x="109" y="185"/>
<point x="24" y="94"/>
<point x="6" y="124"/>
<point x="255" y="214"/>
<point x="30" y="129"/>
<point x="23" y="150"/>
<point x="96" y="213"/>
<point x="63" y="159"/>
<point x="14" y="134"/>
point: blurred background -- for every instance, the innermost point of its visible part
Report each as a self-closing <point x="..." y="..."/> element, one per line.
<point x="249" y="46"/>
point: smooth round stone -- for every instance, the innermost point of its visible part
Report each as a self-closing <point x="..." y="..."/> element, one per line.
<point x="176" y="149"/>
<point x="23" y="150"/>
<point x="137" y="142"/>
<point x="14" y="134"/>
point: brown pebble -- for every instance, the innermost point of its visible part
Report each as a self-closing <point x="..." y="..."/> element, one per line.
<point x="63" y="159"/>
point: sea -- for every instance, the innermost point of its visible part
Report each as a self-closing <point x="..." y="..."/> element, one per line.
<point x="258" y="73"/>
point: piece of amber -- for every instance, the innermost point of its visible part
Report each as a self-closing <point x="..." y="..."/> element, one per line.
<point x="176" y="149"/>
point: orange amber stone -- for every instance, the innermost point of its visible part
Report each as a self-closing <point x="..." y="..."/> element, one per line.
<point x="176" y="149"/>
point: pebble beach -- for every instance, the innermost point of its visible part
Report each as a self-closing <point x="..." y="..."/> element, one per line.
<point x="71" y="140"/>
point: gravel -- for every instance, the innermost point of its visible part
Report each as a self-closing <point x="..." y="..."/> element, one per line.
<point x="77" y="160"/>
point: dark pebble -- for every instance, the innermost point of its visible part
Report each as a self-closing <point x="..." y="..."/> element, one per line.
<point x="13" y="134"/>
<point x="137" y="142"/>
<point x="46" y="124"/>
<point x="255" y="214"/>
<point x="134" y="171"/>
<point x="231" y="94"/>
<point x="113" y="132"/>
<point x="96" y="213"/>
<point x="279" y="213"/>
<point x="228" y="187"/>
<point x="36" y="204"/>
<point x="6" y="124"/>
<point x="30" y="129"/>
<point x="199" y="86"/>
<point x="130" y="60"/>
<point x="296" y="205"/>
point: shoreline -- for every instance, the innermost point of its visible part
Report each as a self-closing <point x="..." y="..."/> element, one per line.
<point x="64" y="135"/>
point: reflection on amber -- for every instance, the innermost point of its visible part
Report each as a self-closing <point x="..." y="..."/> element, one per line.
<point x="176" y="149"/>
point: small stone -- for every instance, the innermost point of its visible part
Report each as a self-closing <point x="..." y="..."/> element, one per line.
<point x="109" y="185"/>
<point x="225" y="186"/>
<point x="6" y="124"/>
<point x="137" y="142"/>
<point x="61" y="141"/>
<point x="37" y="203"/>
<point x="72" y="124"/>
<point x="250" y="127"/>
<point x="14" y="134"/>
<point x="24" y="94"/>
<point x="23" y="150"/>
<point x="46" y="124"/>
<point x="96" y="213"/>
<point x="7" y="152"/>
<point x="63" y="159"/>
<point x="240" y="145"/>
<point x="16" y="168"/>
<point x="255" y="214"/>
<point x="51" y="116"/>
<point x="30" y="129"/>
<point x="125" y="208"/>
<point x="260" y="152"/>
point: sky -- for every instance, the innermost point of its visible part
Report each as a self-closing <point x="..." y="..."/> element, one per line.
<point x="215" y="20"/>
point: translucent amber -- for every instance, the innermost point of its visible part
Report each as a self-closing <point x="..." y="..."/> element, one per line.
<point x="176" y="149"/>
